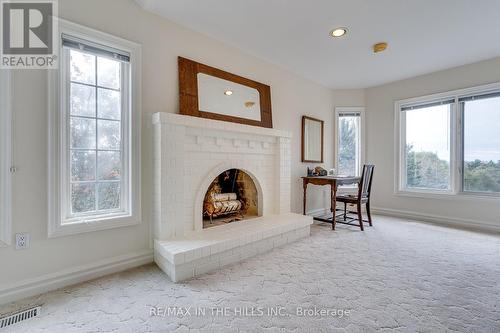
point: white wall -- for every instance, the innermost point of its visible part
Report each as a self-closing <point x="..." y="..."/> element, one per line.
<point x="162" y="42"/>
<point x="380" y="138"/>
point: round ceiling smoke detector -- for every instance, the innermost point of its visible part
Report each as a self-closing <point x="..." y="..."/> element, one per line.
<point x="379" y="47"/>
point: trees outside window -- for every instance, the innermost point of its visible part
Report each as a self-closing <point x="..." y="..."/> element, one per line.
<point x="481" y="151"/>
<point x="94" y="133"/>
<point x="450" y="142"/>
<point x="95" y="125"/>
<point x="349" y="141"/>
<point x="427" y="152"/>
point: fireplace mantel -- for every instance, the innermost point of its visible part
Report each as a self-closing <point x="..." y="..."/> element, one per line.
<point x="196" y="122"/>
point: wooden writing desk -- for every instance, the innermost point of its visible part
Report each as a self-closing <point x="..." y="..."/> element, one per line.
<point x="334" y="182"/>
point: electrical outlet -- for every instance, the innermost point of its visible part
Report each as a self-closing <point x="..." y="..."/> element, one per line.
<point x="22" y="241"/>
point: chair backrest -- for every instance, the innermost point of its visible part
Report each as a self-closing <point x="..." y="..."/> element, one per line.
<point x="365" y="185"/>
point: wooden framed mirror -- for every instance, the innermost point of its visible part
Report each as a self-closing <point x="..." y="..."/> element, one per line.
<point x="312" y="140"/>
<point x="208" y="92"/>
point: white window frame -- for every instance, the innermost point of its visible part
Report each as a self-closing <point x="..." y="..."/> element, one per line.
<point x="5" y="158"/>
<point x="60" y="223"/>
<point x="362" y="156"/>
<point x="456" y="146"/>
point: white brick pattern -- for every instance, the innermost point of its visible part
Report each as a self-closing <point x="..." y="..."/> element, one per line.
<point x="190" y="152"/>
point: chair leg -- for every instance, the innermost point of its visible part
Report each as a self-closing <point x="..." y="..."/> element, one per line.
<point x="369" y="213"/>
<point x="345" y="211"/>
<point x="360" y="217"/>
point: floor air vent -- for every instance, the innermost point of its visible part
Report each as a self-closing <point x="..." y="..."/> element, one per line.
<point x="20" y="316"/>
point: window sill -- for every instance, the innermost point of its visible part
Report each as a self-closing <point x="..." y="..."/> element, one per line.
<point x="448" y="196"/>
<point x="80" y="226"/>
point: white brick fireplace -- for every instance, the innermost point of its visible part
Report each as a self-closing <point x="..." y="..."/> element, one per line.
<point x="189" y="153"/>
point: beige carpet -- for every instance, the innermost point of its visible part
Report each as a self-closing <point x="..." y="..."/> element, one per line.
<point x="395" y="277"/>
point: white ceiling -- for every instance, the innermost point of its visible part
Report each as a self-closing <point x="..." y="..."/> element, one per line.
<point x="423" y="35"/>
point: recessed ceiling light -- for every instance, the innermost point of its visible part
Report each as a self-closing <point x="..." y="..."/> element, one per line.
<point x="338" y="32"/>
<point x="228" y="92"/>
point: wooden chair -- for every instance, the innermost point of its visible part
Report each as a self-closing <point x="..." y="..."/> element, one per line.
<point x="363" y="196"/>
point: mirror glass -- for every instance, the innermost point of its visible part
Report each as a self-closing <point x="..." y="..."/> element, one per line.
<point x="313" y="142"/>
<point x="228" y="98"/>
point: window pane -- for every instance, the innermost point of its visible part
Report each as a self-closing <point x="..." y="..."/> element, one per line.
<point x="482" y="145"/>
<point x="82" y="197"/>
<point x="82" y="67"/>
<point x="82" y="133"/>
<point x="82" y="100"/>
<point x="82" y="165"/>
<point x="95" y="152"/>
<point x="428" y="148"/>
<point x="109" y="104"/>
<point x="349" y="145"/>
<point x="108" y="73"/>
<point x="109" y="163"/>
<point x="109" y="196"/>
<point x="109" y="134"/>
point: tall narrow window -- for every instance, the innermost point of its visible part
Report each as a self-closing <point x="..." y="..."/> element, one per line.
<point x="349" y="141"/>
<point x="94" y="168"/>
<point x="481" y="143"/>
<point x="427" y="146"/>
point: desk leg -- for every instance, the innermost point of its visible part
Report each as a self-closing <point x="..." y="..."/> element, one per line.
<point x="334" y="204"/>
<point x="305" y="196"/>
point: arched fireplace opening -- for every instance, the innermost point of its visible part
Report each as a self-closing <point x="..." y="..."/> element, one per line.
<point x="232" y="196"/>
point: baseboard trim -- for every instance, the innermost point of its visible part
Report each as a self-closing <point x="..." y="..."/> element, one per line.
<point x="319" y="211"/>
<point x="439" y="219"/>
<point x="324" y="211"/>
<point x="52" y="281"/>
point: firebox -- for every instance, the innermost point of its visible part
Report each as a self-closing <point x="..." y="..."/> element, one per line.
<point x="232" y="196"/>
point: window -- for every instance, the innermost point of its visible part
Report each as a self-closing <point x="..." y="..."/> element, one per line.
<point x="349" y="152"/>
<point x="449" y="143"/>
<point x="5" y="158"/>
<point x="427" y="146"/>
<point x="96" y="164"/>
<point x="481" y="143"/>
<point x="96" y="179"/>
